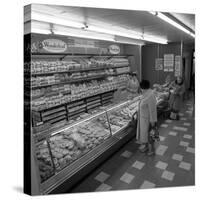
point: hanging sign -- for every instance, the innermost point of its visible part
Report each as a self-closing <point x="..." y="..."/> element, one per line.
<point x="54" y="45"/>
<point x="168" y="62"/>
<point x="114" y="49"/>
<point x="177" y="68"/>
<point x="159" y="64"/>
<point x="49" y="45"/>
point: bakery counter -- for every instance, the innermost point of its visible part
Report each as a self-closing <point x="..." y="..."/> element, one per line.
<point x="71" y="152"/>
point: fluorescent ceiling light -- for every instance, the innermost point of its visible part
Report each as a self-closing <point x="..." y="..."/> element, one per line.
<point x="40" y="31"/>
<point x="155" y="39"/>
<point x="54" y="20"/>
<point x="89" y="36"/>
<point x="172" y="22"/>
<point x="128" y="34"/>
<point x="132" y="43"/>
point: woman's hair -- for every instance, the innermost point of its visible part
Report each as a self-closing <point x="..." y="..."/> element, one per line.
<point x="133" y="74"/>
<point x="145" y="84"/>
<point x="180" y="82"/>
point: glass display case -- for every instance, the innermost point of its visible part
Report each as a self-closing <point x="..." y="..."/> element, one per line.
<point x="69" y="144"/>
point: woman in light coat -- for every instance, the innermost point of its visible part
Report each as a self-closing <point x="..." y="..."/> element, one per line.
<point x="176" y="96"/>
<point x="147" y="116"/>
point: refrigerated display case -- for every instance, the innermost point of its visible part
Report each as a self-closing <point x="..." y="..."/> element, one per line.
<point x="72" y="149"/>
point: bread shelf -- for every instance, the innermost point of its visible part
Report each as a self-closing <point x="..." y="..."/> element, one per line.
<point x="76" y="70"/>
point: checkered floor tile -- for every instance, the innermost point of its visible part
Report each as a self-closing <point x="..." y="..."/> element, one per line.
<point x="177" y="157"/>
<point x="161" y="165"/>
<point x="164" y="125"/>
<point x="173" y="133"/>
<point x="184" y="144"/>
<point x="178" y="128"/>
<point x="162" y="138"/>
<point x="168" y="121"/>
<point x="181" y="114"/>
<point x="190" y="150"/>
<point x="127" y="178"/>
<point x="126" y="154"/>
<point x="168" y="175"/>
<point x="103" y="187"/>
<point x="185" y="165"/>
<point x="161" y="150"/>
<point x="147" y="185"/>
<point x="183" y="118"/>
<point x="102" y="177"/>
<point x="138" y="165"/>
<point x="186" y="136"/>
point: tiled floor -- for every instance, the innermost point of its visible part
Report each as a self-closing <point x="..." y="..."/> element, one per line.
<point x="172" y="165"/>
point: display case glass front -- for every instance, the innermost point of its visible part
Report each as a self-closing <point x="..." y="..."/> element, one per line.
<point x="121" y="115"/>
<point x="70" y="144"/>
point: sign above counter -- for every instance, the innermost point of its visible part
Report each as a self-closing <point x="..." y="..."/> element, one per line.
<point x="114" y="49"/>
<point x="53" y="45"/>
<point x="63" y="44"/>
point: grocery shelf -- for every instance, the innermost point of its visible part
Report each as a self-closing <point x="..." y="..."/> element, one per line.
<point x="73" y="101"/>
<point x="71" y="81"/>
<point x="76" y="70"/>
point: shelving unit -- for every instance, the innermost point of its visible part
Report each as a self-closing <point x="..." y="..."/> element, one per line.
<point x="54" y="119"/>
<point x="71" y="81"/>
<point x="54" y="113"/>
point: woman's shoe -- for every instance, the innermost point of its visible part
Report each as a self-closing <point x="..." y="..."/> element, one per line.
<point x="142" y="146"/>
<point x="150" y="153"/>
<point x="145" y="149"/>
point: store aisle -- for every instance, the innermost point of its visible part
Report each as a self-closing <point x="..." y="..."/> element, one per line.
<point x="173" y="164"/>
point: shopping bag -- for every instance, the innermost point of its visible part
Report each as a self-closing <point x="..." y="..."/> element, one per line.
<point x="154" y="134"/>
<point x="174" y="115"/>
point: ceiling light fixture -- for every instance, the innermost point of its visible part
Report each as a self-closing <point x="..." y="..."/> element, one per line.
<point x="155" y="39"/>
<point x="89" y="36"/>
<point x="128" y="34"/>
<point x="172" y="22"/>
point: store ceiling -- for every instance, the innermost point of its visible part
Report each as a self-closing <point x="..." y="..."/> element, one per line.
<point x="139" y="21"/>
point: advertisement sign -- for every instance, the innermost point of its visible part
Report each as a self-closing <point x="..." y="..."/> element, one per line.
<point x="177" y="69"/>
<point x="114" y="49"/>
<point x="159" y="64"/>
<point x="168" y="62"/>
<point x="50" y="45"/>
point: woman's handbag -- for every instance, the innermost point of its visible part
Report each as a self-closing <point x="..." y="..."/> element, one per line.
<point x="174" y="115"/>
<point x="154" y="134"/>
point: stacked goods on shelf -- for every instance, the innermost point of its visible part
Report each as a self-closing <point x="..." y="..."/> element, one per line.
<point x="76" y="109"/>
<point x="118" y="62"/>
<point x="93" y="102"/>
<point x="38" y="67"/>
<point x="54" y="96"/>
<point x="54" y="115"/>
<point x="123" y="70"/>
<point x="45" y="164"/>
<point x="107" y="98"/>
<point x="109" y="62"/>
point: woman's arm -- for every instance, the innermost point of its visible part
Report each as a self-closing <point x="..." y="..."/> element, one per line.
<point x="152" y="110"/>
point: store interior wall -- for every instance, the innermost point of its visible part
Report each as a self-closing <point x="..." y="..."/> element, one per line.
<point x="188" y="50"/>
<point x="153" y="51"/>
